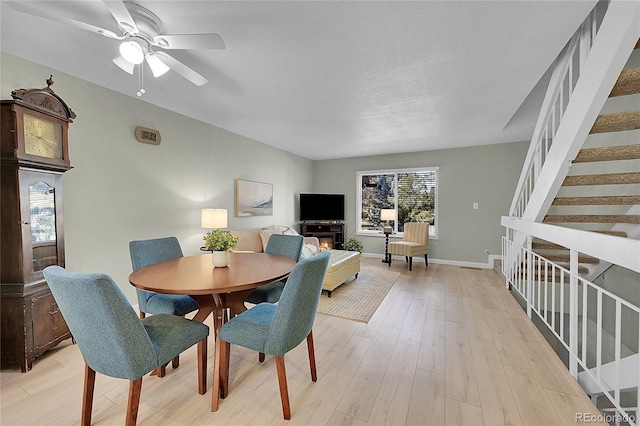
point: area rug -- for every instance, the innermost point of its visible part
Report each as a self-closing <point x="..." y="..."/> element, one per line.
<point x="358" y="299"/>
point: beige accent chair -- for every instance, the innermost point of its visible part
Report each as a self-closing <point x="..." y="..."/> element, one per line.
<point x="414" y="243"/>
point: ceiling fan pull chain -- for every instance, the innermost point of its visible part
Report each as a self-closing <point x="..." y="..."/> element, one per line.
<point x="141" y="80"/>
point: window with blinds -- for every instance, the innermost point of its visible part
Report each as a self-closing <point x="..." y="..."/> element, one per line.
<point x="412" y="193"/>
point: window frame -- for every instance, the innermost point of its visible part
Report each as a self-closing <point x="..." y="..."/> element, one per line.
<point x="433" y="230"/>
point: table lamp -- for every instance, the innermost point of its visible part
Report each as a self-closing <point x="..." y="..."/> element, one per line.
<point x="213" y="218"/>
<point x="387" y="214"/>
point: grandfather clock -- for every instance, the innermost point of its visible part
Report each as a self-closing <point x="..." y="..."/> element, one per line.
<point x="34" y="155"/>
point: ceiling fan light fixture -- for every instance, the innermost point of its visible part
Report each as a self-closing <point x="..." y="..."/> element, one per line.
<point x="132" y="52"/>
<point x="124" y="65"/>
<point x="158" y="67"/>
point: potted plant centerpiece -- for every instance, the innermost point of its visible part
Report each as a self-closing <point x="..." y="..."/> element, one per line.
<point x="220" y="243"/>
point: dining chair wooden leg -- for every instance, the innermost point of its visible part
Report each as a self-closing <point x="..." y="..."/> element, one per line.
<point x="87" y="395"/>
<point x="202" y="366"/>
<point x="261" y="357"/>
<point x="160" y="371"/>
<point x="284" y="391"/>
<point x="312" y="357"/>
<point x="217" y="364"/>
<point x="175" y="363"/>
<point x="135" y="388"/>
<point x="225" y="353"/>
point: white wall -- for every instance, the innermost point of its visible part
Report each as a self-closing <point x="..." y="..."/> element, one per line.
<point x="483" y="174"/>
<point x="120" y="190"/>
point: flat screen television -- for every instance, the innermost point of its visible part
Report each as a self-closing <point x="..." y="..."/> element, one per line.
<point x="321" y="207"/>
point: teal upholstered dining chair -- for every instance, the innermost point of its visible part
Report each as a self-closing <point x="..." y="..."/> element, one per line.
<point x="146" y="252"/>
<point x="284" y="245"/>
<point x="275" y="329"/>
<point x="114" y="341"/>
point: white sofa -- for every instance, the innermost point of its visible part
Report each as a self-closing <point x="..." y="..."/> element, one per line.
<point x="255" y="239"/>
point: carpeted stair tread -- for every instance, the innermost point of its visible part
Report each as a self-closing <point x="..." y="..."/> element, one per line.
<point x="602" y="179"/>
<point x="565" y="258"/>
<point x="613" y="233"/>
<point x="610" y="200"/>
<point x="608" y="153"/>
<point x="546" y="246"/>
<point x="628" y="83"/>
<point x="585" y="218"/>
<point x="616" y="122"/>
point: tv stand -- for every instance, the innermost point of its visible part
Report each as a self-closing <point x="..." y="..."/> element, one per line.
<point x="329" y="230"/>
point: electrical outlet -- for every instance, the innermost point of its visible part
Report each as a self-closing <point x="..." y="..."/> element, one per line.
<point x="486" y="252"/>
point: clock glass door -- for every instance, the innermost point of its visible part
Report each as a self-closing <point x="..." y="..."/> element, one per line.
<point x="43" y="225"/>
<point x="42" y="137"/>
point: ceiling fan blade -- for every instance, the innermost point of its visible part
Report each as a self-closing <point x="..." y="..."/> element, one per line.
<point x="122" y="15"/>
<point x="182" y="69"/>
<point x="24" y="8"/>
<point x="189" y="41"/>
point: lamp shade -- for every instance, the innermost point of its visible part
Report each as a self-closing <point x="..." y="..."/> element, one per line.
<point x="213" y="218"/>
<point x="124" y="64"/>
<point x="387" y="214"/>
<point x="158" y="67"/>
<point x="132" y="52"/>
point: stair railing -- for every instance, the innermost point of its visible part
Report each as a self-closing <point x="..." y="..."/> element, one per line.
<point x="585" y="318"/>
<point x="563" y="80"/>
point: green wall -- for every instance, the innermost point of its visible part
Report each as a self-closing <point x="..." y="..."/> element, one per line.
<point x="483" y="174"/>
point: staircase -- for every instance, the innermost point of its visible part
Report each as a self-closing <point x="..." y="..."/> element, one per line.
<point x="590" y="189"/>
<point x="576" y="208"/>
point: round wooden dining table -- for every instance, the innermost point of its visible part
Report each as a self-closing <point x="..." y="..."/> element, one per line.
<point x="213" y="288"/>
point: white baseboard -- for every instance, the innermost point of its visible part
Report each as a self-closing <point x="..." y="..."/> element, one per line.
<point x="488" y="265"/>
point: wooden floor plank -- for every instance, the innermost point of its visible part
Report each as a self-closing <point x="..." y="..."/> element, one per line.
<point x="426" y="407"/>
<point x="392" y="401"/>
<point x="460" y="414"/>
<point x="432" y="353"/>
<point x="532" y="401"/>
<point x="460" y="375"/>
<point x="364" y="386"/>
<point x="496" y="399"/>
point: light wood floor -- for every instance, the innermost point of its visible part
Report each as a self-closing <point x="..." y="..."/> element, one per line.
<point x="447" y="346"/>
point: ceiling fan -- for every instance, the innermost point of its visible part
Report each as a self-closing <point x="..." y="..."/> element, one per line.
<point x="141" y="39"/>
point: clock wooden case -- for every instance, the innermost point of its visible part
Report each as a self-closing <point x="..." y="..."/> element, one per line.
<point x="34" y="155"/>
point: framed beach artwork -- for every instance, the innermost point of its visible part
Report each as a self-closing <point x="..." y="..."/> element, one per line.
<point x="253" y="198"/>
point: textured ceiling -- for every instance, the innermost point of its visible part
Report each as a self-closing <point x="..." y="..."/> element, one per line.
<point x="332" y="79"/>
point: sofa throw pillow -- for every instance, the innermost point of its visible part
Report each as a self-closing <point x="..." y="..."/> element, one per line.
<point x="308" y="250"/>
<point x="265" y="233"/>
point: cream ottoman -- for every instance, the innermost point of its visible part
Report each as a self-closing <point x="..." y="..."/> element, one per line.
<point x="342" y="265"/>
